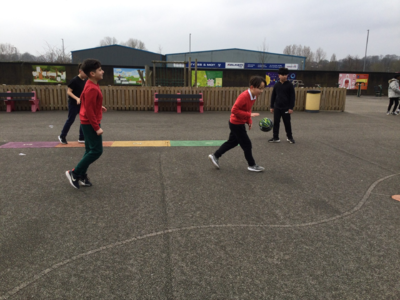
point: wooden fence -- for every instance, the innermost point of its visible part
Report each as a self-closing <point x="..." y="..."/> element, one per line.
<point x="142" y="98"/>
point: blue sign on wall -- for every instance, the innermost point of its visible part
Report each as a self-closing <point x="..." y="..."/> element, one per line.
<point x="212" y="65"/>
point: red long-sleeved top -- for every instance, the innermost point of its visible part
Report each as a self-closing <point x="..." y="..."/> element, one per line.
<point x="241" y="110"/>
<point x="91" y="105"/>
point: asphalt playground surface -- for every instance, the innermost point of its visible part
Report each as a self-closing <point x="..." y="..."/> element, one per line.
<point x="163" y="223"/>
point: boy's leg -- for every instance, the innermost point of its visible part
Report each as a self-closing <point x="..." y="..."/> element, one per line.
<point x="81" y="135"/>
<point x="391" y="100"/>
<point x="73" y="110"/>
<point x="288" y="126"/>
<point x="245" y="143"/>
<point x="232" y="142"/>
<point x="93" y="147"/>
<point x="396" y="103"/>
<point x="277" y="121"/>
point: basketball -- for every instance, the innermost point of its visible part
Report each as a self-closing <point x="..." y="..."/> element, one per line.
<point x="266" y="125"/>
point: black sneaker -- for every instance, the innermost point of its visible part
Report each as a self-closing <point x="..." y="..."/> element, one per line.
<point x="274" y="140"/>
<point x="73" y="179"/>
<point x="62" y="139"/>
<point x="81" y="141"/>
<point x="85" y="181"/>
<point x="214" y="160"/>
<point x="291" y="140"/>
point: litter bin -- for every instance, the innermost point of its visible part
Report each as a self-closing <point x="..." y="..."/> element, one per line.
<point x="313" y="100"/>
<point x="378" y="90"/>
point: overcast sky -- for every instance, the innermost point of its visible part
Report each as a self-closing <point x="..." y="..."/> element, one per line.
<point x="338" y="27"/>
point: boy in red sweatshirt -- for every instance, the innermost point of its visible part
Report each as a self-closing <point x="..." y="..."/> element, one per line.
<point x="91" y="114"/>
<point x="241" y="115"/>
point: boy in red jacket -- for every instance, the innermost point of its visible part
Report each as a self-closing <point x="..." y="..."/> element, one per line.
<point x="241" y="115"/>
<point x="91" y="114"/>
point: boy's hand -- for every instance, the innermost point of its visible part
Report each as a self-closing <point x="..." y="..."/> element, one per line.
<point x="103" y="109"/>
<point x="255" y="114"/>
<point x="78" y="101"/>
<point x="99" y="132"/>
<point x="290" y="111"/>
<point x="271" y="110"/>
<point x="250" y="125"/>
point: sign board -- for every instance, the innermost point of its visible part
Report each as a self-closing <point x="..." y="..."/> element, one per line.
<point x="350" y="81"/>
<point x="128" y="76"/>
<point x="49" y="74"/>
<point x="208" y="78"/>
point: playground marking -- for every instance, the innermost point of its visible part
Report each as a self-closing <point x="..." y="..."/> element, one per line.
<point x="141" y="144"/>
<point x="22" y="145"/>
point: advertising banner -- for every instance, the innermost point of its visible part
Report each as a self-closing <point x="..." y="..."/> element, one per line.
<point x="292" y="66"/>
<point x="205" y="64"/>
<point x="208" y="78"/>
<point x="234" y="65"/>
<point x="263" y="66"/>
<point x="273" y="77"/>
<point x="128" y="76"/>
<point x="350" y="81"/>
<point x="49" y="74"/>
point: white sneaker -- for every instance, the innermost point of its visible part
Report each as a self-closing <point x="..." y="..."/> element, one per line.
<point x="255" y="168"/>
<point x="214" y="160"/>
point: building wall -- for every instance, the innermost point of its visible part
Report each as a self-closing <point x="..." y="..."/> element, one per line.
<point x="117" y="55"/>
<point x="237" y="55"/>
<point x="20" y="73"/>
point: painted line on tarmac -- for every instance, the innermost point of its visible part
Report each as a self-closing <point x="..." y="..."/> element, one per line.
<point x="162" y="143"/>
<point x="173" y="230"/>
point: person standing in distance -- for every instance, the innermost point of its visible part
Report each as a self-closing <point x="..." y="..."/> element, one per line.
<point x="241" y="115"/>
<point x="91" y="114"/>
<point x="282" y="104"/>
<point x="394" y="93"/>
<point x="75" y="88"/>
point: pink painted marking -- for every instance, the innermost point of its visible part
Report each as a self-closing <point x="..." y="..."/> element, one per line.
<point x="14" y="145"/>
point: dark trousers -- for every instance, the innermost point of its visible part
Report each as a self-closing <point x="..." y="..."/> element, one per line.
<point x="278" y="114"/>
<point x="238" y="136"/>
<point x="73" y="111"/>
<point x="93" y="149"/>
<point x="392" y="101"/>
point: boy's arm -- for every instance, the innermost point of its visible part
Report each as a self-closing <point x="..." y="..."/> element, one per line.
<point x="395" y="87"/>
<point x="292" y="96"/>
<point x="273" y="96"/>
<point x="90" y="105"/>
<point x="69" y="92"/>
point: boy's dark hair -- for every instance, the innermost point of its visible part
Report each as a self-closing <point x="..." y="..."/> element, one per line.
<point x="90" y="65"/>
<point x="256" y="81"/>
<point x="80" y="66"/>
<point x="283" y="71"/>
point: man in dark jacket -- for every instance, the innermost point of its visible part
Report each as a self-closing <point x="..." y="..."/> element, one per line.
<point x="282" y="103"/>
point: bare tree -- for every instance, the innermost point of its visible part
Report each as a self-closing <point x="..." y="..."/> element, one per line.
<point x="333" y="64"/>
<point x="263" y="54"/>
<point x="108" y="41"/>
<point x="300" y="50"/>
<point x="159" y="49"/>
<point x="9" y="53"/>
<point x="54" y="54"/>
<point x="28" y="57"/>
<point x="320" y="55"/>
<point x="134" y="43"/>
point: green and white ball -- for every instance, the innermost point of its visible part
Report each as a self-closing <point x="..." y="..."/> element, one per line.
<point x="266" y="125"/>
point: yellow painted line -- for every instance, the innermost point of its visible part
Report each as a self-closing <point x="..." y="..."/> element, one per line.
<point x="142" y="144"/>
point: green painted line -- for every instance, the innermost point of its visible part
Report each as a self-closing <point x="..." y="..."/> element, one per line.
<point x="196" y="143"/>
